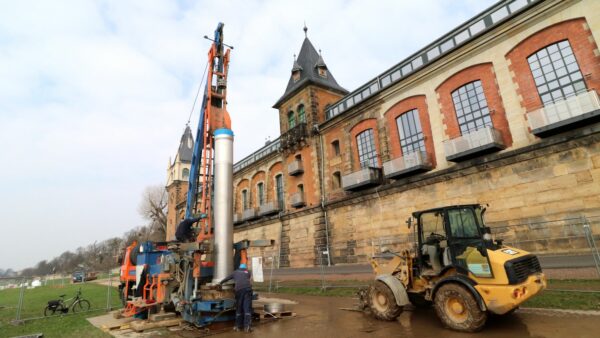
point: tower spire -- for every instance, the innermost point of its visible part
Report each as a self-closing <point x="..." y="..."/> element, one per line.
<point x="305" y="29"/>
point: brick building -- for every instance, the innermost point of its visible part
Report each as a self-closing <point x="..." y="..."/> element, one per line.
<point x="501" y="110"/>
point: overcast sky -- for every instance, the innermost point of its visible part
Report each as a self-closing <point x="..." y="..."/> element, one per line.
<point x="94" y="95"/>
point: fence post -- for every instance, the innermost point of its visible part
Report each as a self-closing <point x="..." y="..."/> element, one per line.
<point x="108" y="300"/>
<point x="271" y="275"/>
<point x="20" y="304"/>
<point x="323" y="287"/>
<point x="589" y="236"/>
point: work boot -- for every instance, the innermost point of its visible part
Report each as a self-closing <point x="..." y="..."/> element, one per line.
<point x="235" y="328"/>
<point x="248" y="329"/>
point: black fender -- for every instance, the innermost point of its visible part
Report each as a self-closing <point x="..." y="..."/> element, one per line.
<point x="464" y="281"/>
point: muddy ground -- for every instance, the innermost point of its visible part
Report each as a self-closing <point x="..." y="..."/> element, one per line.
<point x="322" y="317"/>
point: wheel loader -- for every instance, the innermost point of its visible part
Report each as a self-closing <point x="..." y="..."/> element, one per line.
<point x="455" y="266"/>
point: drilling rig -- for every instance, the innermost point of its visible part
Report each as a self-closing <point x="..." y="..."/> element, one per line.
<point x="185" y="276"/>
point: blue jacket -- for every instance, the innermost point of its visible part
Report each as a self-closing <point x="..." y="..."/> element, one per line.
<point x="241" y="278"/>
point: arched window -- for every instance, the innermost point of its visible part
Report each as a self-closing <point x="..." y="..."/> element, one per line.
<point x="410" y="132"/>
<point x="367" y="153"/>
<point x="291" y="119"/>
<point x="260" y="192"/>
<point x="279" y="190"/>
<point x="301" y="114"/>
<point x="244" y="199"/>
<point x="556" y="72"/>
<point x="185" y="173"/>
<point x="335" y="147"/>
<point x="337" y="180"/>
<point x="301" y="189"/>
<point x="471" y="107"/>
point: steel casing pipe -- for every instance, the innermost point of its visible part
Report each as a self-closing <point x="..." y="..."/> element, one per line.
<point x="223" y="204"/>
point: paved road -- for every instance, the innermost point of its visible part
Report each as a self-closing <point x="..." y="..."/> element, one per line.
<point x="547" y="262"/>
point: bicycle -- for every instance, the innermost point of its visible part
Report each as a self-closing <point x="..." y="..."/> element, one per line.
<point x="78" y="304"/>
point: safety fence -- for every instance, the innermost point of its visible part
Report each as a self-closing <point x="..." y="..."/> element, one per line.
<point x="568" y="243"/>
<point x="564" y="243"/>
<point x="323" y="276"/>
<point x="26" y="298"/>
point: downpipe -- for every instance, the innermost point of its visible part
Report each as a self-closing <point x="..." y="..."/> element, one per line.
<point x="322" y="183"/>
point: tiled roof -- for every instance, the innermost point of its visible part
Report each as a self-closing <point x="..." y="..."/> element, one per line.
<point x="306" y="63"/>
<point x="186" y="146"/>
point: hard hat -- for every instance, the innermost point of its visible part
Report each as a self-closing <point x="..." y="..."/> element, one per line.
<point x="243" y="266"/>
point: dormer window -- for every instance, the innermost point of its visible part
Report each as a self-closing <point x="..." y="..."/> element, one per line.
<point x="321" y="66"/>
<point x="296" y="76"/>
<point x="296" y="70"/>
<point x="322" y="72"/>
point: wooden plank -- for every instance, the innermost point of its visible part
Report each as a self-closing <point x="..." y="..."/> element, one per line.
<point x="107" y="322"/>
<point x="146" y="325"/>
<point x="155" y="317"/>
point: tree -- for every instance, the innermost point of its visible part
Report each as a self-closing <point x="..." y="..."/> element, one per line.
<point x="154" y="208"/>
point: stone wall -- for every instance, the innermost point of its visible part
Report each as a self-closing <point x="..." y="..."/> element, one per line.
<point x="556" y="179"/>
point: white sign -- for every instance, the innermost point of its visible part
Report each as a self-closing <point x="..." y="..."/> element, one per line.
<point x="257" y="269"/>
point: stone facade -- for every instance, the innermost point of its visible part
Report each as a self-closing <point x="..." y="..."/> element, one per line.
<point x="527" y="179"/>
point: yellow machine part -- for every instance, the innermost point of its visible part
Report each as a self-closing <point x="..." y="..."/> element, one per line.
<point x="498" y="295"/>
<point x="500" y="299"/>
<point x="497" y="259"/>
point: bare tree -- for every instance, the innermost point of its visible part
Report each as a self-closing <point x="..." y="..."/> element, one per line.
<point x="154" y="207"/>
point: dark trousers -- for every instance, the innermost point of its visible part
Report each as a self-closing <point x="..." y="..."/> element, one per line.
<point x="243" y="308"/>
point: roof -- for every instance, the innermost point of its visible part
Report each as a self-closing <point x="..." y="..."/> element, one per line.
<point x="307" y="62"/>
<point x="186" y="146"/>
<point x="489" y="19"/>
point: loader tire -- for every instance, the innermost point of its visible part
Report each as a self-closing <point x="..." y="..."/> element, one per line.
<point x="457" y="308"/>
<point x="382" y="302"/>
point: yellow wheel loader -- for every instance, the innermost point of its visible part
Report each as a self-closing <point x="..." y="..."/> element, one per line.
<point x="457" y="267"/>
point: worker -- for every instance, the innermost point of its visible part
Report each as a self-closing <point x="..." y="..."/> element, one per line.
<point x="184" y="232"/>
<point x="243" y="297"/>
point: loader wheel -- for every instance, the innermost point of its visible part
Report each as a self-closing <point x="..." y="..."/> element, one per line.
<point x="457" y="308"/>
<point x="383" y="303"/>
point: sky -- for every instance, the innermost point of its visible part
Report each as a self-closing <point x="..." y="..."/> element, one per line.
<point x="94" y="95"/>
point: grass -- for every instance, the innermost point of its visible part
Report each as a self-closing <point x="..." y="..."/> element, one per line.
<point x="561" y="294"/>
<point x="34" y="302"/>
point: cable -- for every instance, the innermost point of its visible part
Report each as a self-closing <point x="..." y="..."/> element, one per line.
<point x="197" y="93"/>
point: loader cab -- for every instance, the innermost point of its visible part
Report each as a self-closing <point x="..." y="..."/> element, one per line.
<point x="452" y="237"/>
